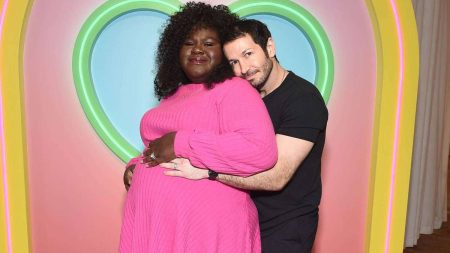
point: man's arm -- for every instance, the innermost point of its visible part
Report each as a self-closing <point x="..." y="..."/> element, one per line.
<point x="291" y="153"/>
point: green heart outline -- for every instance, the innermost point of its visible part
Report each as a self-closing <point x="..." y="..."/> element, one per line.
<point x="111" y="10"/>
<point x="81" y="65"/>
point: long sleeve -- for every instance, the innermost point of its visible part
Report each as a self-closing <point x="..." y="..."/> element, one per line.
<point x="246" y="143"/>
<point x="133" y="161"/>
<point x="137" y="159"/>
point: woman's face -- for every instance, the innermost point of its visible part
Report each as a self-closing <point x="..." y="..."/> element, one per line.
<point x="200" y="54"/>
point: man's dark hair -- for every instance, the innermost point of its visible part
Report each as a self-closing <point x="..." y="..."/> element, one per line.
<point x="192" y="16"/>
<point x="257" y="30"/>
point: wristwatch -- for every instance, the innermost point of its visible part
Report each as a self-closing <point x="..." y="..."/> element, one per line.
<point x="212" y="175"/>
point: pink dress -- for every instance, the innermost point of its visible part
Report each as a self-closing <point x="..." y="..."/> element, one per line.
<point x="226" y="128"/>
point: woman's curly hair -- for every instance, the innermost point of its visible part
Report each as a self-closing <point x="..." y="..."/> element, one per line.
<point x="169" y="75"/>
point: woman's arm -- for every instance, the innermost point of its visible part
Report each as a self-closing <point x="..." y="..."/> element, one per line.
<point x="243" y="145"/>
<point x="246" y="144"/>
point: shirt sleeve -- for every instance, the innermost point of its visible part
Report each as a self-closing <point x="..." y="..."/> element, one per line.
<point x="137" y="159"/>
<point x="304" y="117"/>
<point x="133" y="161"/>
<point x="245" y="144"/>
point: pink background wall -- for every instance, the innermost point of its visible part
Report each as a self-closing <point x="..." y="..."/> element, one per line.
<point x="75" y="181"/>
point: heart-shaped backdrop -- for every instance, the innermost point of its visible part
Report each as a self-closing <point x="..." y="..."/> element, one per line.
<point x="114" y="55"/>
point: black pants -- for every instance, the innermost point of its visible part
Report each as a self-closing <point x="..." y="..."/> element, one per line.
<point x="294" y="236"/>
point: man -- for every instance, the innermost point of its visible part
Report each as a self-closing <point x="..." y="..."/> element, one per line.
<point x="287" y="196"/>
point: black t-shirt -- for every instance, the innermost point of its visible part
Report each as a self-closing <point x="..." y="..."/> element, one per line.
<point x="297" y="110"/>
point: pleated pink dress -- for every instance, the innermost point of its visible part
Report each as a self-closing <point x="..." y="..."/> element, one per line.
<point x="227" y="129"/>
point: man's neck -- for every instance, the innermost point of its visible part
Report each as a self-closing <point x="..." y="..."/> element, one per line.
<point x="276" y="77"/>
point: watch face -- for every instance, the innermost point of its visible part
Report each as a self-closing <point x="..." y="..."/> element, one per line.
<point x="212" y="175"/>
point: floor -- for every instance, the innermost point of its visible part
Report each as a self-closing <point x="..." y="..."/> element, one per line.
<point x="439" y="241"/>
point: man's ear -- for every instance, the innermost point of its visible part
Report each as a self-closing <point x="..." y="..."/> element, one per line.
<point x="270" y="47"/>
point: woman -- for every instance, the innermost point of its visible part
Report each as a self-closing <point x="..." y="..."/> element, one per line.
<point x="215" y="121"/>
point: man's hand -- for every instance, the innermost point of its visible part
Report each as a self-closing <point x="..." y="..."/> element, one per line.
<point x="128" y="175"/>
<point x="181" y="167"/>
<point x="160" y="150"/>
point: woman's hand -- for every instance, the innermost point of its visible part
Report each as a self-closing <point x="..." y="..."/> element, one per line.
<point x="160" y="150"/>
<point x="181" y="167"/>
<point x="128" y="175"/>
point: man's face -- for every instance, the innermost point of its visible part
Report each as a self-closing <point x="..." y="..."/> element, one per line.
<point x="249" y="60"/>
